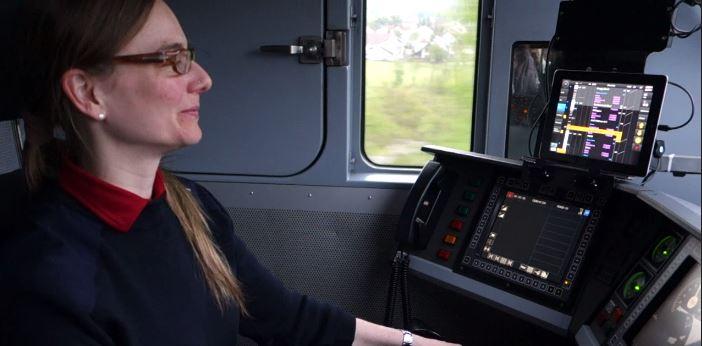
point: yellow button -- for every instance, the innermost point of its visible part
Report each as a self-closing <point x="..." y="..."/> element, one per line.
<point x="450" y="239"/>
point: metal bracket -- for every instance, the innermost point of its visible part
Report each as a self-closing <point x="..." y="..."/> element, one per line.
<point x="312" y="50"/>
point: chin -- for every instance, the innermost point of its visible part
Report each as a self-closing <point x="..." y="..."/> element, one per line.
<point x="192" y="137"/>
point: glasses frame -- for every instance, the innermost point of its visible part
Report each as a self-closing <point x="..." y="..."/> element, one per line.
<point x="166" y="56"/>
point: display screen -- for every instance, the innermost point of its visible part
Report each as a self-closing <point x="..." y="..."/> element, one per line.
<point x="602" y="121"/>
<point x="677" y="320"/>
<point x="535" y="235"/>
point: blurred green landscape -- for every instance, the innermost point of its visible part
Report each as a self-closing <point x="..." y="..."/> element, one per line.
<point x="409" y="104"/>
<point x="425" y="98"/>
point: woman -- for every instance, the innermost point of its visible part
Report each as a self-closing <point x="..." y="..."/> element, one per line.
<point x="118" y="251"/>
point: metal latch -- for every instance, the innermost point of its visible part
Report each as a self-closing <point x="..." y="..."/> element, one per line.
<point x="333" y="50"/>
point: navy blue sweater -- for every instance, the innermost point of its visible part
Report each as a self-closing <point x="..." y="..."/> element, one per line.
<point x="67" y="278"/>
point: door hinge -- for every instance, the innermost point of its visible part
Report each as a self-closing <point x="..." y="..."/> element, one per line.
<point x="333" y="50"/>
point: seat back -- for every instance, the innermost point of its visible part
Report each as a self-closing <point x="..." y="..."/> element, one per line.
<point x="9" y="147"/>
<point x="13" y="191"/>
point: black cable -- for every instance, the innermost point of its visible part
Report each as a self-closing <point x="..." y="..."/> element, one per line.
<point x="392" y="289"/>
<point x="648" y="176"/>
<point x="547" y="92"/>
<point x="533" y="126"/>
<point x="404" y="290"/>
<point x="692" y="111"/>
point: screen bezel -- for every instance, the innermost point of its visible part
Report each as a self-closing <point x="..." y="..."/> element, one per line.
<point x="568" y="258"/>
<point x="641" y="168"/>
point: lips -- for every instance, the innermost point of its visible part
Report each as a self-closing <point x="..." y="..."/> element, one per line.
<point x="193" y="111"/>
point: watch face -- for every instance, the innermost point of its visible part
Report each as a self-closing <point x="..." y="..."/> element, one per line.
<point x="407" y="338"/>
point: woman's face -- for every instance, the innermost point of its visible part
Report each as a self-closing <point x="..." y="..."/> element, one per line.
<point x="150" y="105"/>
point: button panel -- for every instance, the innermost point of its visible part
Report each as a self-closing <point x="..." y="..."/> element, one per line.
<point x="455" y="223"/>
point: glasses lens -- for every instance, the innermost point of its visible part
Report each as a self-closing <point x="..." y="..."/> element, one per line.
<point x="183" y="61"/>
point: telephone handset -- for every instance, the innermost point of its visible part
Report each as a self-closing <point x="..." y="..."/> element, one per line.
<point x="416" y="222"/>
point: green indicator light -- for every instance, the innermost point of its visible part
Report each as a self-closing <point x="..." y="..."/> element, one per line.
<point x="665" y="252"/>
<point x="637" y="288"/>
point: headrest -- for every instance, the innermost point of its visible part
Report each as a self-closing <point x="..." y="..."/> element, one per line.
<point x="9" y="21"/>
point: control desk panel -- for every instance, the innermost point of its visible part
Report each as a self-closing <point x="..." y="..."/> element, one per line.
<point x="550" y="244"/>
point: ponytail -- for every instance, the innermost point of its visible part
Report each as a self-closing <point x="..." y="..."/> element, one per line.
<point x="224" y="286"/>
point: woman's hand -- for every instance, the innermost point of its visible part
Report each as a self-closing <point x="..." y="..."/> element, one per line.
<point x="374" y="334"/>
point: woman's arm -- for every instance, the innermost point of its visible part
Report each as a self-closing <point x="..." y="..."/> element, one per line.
<point x="374" y="334"/>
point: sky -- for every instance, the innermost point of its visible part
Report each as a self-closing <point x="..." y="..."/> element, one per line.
<point x="407" y="8"/>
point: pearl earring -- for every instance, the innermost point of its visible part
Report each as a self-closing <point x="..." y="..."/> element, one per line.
<point x="101" y="116"/>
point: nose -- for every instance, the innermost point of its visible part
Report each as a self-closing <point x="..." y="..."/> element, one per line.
<point x="201" y="81"/>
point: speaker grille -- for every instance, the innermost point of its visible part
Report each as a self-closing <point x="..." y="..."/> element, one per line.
<point x="337" y="257"/>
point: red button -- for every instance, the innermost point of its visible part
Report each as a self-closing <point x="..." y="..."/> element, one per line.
<point x="444" y="254"/>
<point x="617" y="314"/>
<point x="457" y="225"/>
<point x="450" y="239"/>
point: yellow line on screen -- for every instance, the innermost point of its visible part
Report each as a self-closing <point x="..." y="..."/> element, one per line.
<point x="617" y="134"/>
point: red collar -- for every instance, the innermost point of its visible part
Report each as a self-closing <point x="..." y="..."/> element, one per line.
<point x="115" y="206"/>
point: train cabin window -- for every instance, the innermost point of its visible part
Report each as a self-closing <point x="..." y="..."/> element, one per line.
<point x="419" y="78"/>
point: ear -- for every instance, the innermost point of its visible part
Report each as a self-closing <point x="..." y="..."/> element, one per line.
<point x="79" y="86"/>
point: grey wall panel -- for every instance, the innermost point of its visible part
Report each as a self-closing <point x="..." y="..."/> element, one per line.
<point x="9" y="157"/>
<point x="339" y="257"/>
<point x="681" y="63"/>
<point x="264" y="114"/>
<point x="309" y="198"/>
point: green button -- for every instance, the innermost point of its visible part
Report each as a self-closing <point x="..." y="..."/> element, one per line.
<point x="476" y="182"/>
<point x="469" y="196"/>
<point x="463" y="210"/>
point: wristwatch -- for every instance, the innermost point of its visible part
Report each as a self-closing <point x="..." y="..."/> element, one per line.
<point x="407" y="338"/>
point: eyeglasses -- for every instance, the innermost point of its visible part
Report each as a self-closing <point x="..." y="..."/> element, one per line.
<point x="181" y="59"/>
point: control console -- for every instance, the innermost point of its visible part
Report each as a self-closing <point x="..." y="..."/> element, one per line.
<point x="549" y="243"/>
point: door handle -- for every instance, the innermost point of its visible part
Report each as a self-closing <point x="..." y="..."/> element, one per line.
<point x="292" y="50"/>
<point x="309" y="49"/>
<point x="333" y="50"/>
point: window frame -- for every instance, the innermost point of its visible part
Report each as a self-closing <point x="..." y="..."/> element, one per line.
<point x="360" y="165"/>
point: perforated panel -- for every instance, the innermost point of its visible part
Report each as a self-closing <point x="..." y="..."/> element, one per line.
<point x="344" y="258"/>
<point x="9" y="158"/>
<point x="339" y="257"/>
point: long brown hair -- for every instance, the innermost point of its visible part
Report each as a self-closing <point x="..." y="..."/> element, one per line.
<point x="62" y="34"/>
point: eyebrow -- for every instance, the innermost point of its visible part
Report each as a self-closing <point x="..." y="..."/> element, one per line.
<point x="171" y="46"/>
